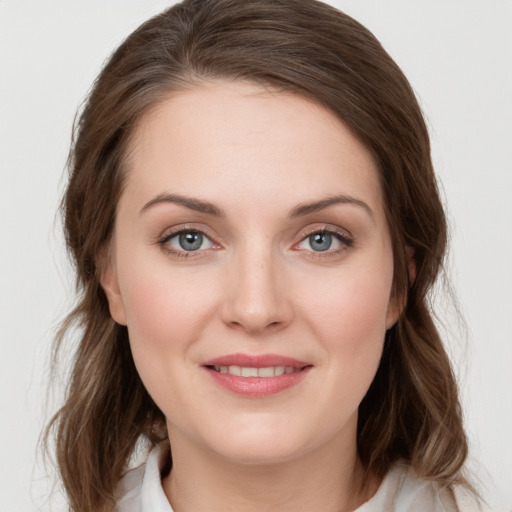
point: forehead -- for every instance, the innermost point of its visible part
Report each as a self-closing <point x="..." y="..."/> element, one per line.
<point x="227" y="140"/>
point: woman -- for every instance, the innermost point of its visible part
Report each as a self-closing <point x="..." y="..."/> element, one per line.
<point x="255" y="224"/>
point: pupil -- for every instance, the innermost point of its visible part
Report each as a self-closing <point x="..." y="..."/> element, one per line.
<point x="190" y="241"/>
<point x="320" y="241"/>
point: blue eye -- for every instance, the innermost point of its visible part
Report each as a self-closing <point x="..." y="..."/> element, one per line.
<point x="329" y="242"/>
<point x="188" y="241"/>
<point x="320" y="241"/>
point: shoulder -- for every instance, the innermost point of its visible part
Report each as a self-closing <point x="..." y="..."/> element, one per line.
<point x="404" y="491"/>
<point x="140" y="489"/>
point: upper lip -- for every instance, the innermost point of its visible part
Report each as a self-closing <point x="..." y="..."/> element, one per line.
<point x="256" y="361"/>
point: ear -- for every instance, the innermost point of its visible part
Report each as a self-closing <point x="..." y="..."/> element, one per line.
<point x="397" y="304"/>
<point x="411" y="263"/>
<point x="110" y="285"/>
<point x="395" y="308"/>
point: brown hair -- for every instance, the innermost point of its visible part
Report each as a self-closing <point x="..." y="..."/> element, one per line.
<point x="305" y="47"/>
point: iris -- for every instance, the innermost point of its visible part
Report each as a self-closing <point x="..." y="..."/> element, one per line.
<point x="320" y="241"/>
<point x="190" y="241"/>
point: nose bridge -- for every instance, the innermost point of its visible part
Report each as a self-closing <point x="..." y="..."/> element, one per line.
<point x="257" y="298"/>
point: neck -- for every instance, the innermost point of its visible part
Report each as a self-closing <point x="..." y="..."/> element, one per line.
<point x="324" y="479"/>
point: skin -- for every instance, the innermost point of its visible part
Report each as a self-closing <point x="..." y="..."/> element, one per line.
<point x="256" y="286"/>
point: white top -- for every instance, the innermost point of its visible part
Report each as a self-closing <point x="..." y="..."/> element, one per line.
<point x="141" y="490"/>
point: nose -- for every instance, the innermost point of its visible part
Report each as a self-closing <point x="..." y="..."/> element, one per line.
<point x="256" y="297"/>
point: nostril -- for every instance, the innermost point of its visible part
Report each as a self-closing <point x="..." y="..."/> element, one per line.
<point x="256" y="313"/>
<point x="255" y="326"/>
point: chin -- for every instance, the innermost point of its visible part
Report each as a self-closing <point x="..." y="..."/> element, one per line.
<point x="259" y="444"/>
<point x="259" y="453"/>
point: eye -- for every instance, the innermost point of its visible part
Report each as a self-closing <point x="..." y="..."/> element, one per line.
<point x="321" y="241"/>
<point x="324" y="241"/>
<point x="186" y="241"/>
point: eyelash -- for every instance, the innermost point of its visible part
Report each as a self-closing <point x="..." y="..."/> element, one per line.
<point x="163" y="242"/>
<point x="346" y="242"/>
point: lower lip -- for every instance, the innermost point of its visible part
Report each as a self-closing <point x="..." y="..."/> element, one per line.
<point x="257" y="387"/>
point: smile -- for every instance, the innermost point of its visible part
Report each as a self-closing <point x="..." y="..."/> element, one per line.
<point x="256" y="376"/>
<point x="248" y="371"/>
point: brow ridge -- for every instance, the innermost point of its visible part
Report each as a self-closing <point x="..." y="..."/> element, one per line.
<point x="192" y="203"/>
<point x="299" y="211"/>
<point x="307" y="208"/>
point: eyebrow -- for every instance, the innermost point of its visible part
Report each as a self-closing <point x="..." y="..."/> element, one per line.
<point x="189" y="202"/>
<point x="300" y="210"/>
<point x="307" y="208"/>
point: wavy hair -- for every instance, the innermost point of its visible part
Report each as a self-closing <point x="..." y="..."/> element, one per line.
<point x="310" y="49"/>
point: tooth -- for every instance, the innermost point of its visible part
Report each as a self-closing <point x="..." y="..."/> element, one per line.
<point x="234" y="370"/>
<point x="249" y="372"/>
<point x="269" y="371"/>
<point x="266" y="372"/>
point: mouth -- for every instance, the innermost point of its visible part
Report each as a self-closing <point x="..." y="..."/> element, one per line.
<point x="251" y="371"/>
<point x="256" y="376"/>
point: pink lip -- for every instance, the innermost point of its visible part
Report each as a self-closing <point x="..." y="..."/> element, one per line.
<point x="256" y="387"/>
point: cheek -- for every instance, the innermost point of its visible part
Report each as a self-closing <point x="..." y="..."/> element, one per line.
<point x="166" y="314"/>
<point x="349" y="316"/>
<point x="155" y="294"/>
<point x="354" y="327"/>
<point x="352" y="304"/>
<point x="165" y="311"/>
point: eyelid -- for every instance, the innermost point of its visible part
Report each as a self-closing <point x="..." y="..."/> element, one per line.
<point x="170" y="233"/>
<point x="342" y="235"/>
<point x="325" y="228"/>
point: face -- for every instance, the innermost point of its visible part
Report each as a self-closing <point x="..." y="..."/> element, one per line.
<point x="252" y="264"/>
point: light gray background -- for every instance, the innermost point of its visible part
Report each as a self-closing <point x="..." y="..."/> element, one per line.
<point x="458" y="57"/>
